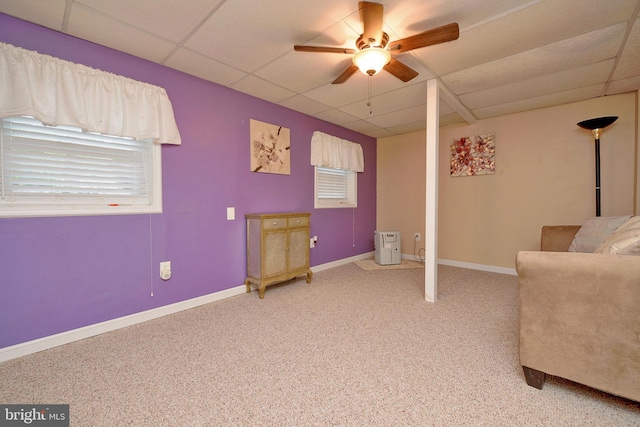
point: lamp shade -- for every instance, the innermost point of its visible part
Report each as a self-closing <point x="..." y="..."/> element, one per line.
<point x="371" y="60"/>
<point x="598" y="123"/>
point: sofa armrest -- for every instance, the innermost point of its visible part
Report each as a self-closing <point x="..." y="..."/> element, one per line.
<point x="580" y="318"/>
<point x="557" y="238"/>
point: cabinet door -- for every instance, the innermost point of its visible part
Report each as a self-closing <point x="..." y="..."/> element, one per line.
<point x="275" y="253"/>
<point x="298" y="249"/>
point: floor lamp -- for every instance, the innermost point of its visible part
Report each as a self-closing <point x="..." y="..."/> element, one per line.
<point x="596" y="126"/>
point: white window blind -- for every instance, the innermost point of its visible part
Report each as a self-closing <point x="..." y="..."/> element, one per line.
<point x="332" y="184"/>
<point x="59" y="166"/>
<point x="335" y="188"/>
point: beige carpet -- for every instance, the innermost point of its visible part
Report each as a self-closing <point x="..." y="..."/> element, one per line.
<point x="353" y="348"/>
<point x="370" y="264"/>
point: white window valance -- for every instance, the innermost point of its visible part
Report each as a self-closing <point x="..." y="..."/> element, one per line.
<point x="59" y="92"/>
<point x="333" y="152"/>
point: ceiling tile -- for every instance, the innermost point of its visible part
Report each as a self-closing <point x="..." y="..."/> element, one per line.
<point x="566" y="54"/>
<point x="49" y="14"/>
<point x="407" y="127"/>
<point x="172" y="20"/>
<point x="203" y="67"/>
<point x="86" y="24"/>
<point x="444" y="108"/>
<point x="342" y="94"/>
<point x="379" y="133"/>
<point x="621" y="86"/>
<point x="409" y="17"/>
<point x="629" y="63"/>
<point x="408" y="115"/>
<point x="335" y="116"/>
<point x="538" y="86"/>
<point x="367" y="128"/>
<point x="262" y="89"/>
<point x="400" y="99"/>
<point x="451" y="119"/>
<point x="540" y="102"/>
<point x="304" y="105"/>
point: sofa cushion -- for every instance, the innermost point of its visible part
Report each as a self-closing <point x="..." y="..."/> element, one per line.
<point x="624" y="241"/>
<point x="594" y="231"/>
<point x="557" y="238"/>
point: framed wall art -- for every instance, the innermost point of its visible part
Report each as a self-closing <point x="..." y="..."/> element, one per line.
<point x="270" y="148"/>
<point x="473" y="155"/>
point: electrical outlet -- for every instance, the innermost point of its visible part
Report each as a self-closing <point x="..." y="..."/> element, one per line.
<point x="417" y="237"/>
<point x="165" y="270"/>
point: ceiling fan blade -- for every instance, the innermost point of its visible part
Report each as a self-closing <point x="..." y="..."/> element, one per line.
<point x="371" y="17"/>
<point x="323" y="49"/>
<point x="438" y="35"/>
<point x="345" y="75"/>
<point x="400" y="70"/>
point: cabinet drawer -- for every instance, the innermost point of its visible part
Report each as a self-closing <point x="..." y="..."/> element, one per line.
<point x="271" y="223"/>
<point x="299" y="221"/>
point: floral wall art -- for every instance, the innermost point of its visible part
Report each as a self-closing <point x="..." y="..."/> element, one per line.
<point x="473" y="155"/>
<point x="270" y="148"/>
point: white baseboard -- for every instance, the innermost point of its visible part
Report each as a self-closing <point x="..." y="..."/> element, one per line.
<point x="67" y="337"/>
<point x="469" y="265"/>
<point x="482" y="267"/>
<point x="340" y="262"/>
<point x="411" y="257"/>
<point x="343" y="261"/>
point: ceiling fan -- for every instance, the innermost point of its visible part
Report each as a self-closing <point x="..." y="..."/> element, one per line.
<point x="374" y="52"/>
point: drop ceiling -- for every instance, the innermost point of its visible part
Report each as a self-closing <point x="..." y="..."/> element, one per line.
<point x="511" y="55"/>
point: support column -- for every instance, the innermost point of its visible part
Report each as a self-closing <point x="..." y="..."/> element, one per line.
<point x="431" y="208"/>
<point x="636" y="169"/>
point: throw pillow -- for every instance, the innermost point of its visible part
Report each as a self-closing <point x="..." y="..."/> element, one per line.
<point x="594" y="231"/>
<point x="632" y="223"/>
<point x="624" y="241"/>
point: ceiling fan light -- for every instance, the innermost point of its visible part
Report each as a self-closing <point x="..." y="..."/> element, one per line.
<point x="371" y="60"/>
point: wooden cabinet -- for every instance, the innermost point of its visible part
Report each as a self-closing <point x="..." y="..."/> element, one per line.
<point x="277" y="248"/>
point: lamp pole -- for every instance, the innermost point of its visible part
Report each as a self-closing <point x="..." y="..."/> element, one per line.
<point x="597" y="136"/>
<point x="595" y="126"/>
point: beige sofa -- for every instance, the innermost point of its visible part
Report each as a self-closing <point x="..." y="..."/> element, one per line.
<point x="579" y="315"/>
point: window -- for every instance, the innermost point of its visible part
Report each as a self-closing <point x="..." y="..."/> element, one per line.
<point x="335" y="188"/>
<point x="61" y="170"/>
<point x="337" y="162"/>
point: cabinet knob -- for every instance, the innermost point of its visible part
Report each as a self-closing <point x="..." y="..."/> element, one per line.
<point x="275" y="223"/>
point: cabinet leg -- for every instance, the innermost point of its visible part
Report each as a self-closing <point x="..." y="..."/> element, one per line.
<point x="261" y="291"/>
<point x="248" y="286"/>
<point x="309" y="276"/>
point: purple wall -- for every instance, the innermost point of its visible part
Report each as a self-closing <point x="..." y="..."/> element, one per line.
<point x="58" y="274"/>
